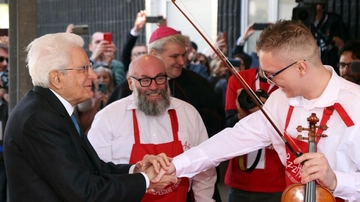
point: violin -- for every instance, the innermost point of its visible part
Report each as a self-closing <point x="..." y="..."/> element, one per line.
<point x="311" y="192"/>
<point x="297" y="192"/>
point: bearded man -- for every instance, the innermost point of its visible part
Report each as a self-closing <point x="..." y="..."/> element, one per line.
<point x="150" y="121"/>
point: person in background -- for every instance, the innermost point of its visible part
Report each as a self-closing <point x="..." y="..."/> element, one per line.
<point x="47" y="155"/>
<point x="349" y="53"/>
<point x="103" y="53"/>
<point x="198" y="68"/>
<point x="200" y="58"/>
<point x="150" y="121"/>
<point x="192" y="51"/>
<point x="330" y="33"/>
<point x="103" y="87"/>
<point x="288" y="57"/>
<point x="186" y="85"/>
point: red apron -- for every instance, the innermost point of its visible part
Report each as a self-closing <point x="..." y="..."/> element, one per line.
<point x="292" y="171"/>
<point x="175" y="192"/>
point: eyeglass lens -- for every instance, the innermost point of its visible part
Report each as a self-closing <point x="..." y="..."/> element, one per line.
<point x="4" y="58"/>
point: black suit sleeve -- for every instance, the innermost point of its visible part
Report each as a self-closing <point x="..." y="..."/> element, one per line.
<point x="126" y="52"/>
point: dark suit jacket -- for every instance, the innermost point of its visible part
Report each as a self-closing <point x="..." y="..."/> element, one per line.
<point x="47" y="160"/>
<point x="126" y="51"/>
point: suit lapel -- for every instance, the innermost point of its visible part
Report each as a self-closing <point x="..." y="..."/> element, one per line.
<point x="59" y="108"/>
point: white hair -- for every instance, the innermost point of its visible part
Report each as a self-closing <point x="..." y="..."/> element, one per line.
<point x="50" y="52"/>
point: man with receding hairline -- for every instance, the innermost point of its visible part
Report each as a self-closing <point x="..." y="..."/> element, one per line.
<point x="150" y="121"/>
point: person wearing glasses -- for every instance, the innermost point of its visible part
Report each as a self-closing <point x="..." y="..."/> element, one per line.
<point x="47" y="155"/>
<point x="150" y="121"/>
<point x="290" y="59"/>
<point x="349" y="53"/>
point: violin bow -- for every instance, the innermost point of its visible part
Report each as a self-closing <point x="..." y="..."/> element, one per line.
<point x="247" y="88"/>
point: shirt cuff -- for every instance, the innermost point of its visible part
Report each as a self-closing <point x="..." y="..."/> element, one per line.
<point x="240" y="41"/>
<point x="134" y="33"/>
<point x="131" y="171"/>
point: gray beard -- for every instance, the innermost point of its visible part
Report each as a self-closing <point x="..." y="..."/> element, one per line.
<point x="152" y="108"/>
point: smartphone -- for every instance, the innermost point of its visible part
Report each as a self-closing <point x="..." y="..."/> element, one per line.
<point x="102" y="88"/>
<point x="81" y="29"/>
<point x="154" y="19"/>
<point x="108" y="37"/>
<point x="260" y="26"/>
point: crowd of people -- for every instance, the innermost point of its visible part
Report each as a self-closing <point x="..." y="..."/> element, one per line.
<point x="155" y="124"/>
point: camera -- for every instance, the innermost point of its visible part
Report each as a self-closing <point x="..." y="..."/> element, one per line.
<point x="245" y="100"/>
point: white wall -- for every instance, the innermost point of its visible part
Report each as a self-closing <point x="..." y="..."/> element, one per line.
<point x="202" y="12"/>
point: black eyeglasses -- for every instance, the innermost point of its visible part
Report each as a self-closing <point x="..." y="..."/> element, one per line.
<point x="270" y="77"/>
<point x="2" y="58"/>
<point x="342" y="65"/>
<point x="146" y="82"/>
<point x="84" y="68"/>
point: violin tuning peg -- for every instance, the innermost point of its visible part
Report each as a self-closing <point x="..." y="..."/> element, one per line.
<point x="323" y="135"/>
<point x="299" y="128"/>
<point x="324" y="127"/>
<point x="300" y="137"/>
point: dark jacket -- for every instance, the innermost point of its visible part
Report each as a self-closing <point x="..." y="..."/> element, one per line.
<point x="47" y="160"/>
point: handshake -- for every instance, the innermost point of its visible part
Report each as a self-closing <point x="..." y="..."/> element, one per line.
<point x="159" y="170"/>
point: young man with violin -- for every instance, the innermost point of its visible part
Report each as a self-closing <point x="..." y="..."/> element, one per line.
<point x="290" y="59"/>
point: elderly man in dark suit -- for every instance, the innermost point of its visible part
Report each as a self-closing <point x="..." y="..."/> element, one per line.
<point x="47" y="156"/>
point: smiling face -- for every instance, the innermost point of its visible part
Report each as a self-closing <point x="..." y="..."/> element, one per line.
<point x="73" y="84"/>
<point x="289" y="80"/>
<point x="174" y="57"/>
<point x="154" y="99"/>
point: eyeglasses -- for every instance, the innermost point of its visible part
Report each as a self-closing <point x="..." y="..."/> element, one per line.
<point x="270" y="77"/>
<point x="4" y="58"/>
<point x="342" y="65"/>
<point x="146" y="82"/>
<point x="84" y="68"/>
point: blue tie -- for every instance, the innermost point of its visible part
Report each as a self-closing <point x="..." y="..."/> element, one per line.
<point x="76" y="123"/>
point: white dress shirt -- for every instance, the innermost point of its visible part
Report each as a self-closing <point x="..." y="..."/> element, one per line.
<point x="341" y="147"/>
<point x="112" y="136"/>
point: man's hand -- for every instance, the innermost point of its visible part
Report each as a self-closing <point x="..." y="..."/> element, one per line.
<point x="316" y="167"/>
<point x="171" y="170"/>
<point x="140" y="21"/>
<point x="104" y="52"/>
<point x="158" y="162"/>
<point x="248" y="32"/>
<point x="160" y="184"/>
